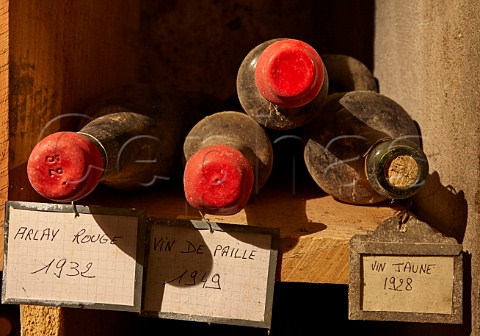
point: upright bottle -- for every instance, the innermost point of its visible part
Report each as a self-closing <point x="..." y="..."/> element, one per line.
<point x="132" y="140"/>
<point x="364" y="148"/>
<point x="281" y="83"/>
<point x="228" y="157"/>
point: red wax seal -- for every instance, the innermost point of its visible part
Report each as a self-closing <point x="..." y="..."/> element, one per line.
<point x="218" y="180"/>
<point x="65" y="166"/>
<point x="289" y="73"/>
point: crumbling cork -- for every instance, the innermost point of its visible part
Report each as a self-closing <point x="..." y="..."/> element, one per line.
<point x="402" y="171"/>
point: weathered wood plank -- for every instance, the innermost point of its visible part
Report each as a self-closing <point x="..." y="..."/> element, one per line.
<point x="62" y="54"/>
<point x="4" y="129"/>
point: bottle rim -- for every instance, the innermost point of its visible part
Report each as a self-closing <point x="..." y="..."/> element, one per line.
<point x="379" y="158"/>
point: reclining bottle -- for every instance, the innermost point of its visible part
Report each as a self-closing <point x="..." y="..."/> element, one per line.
<point x="133" y="140"/>
<point x="364" y="148"/>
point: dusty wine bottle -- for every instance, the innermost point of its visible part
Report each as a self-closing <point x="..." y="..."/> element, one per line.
<point x="347" y="73"/>
<point x="132" y="140"/>
<point x="281" y="83"/>
<point x="228" y="157"/>
<point x="364" y="148"/>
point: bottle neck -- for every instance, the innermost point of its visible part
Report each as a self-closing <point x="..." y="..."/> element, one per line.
<point x="101" y="149"/>
<point x="118" y="137"/>
<point x="396" y="168"/>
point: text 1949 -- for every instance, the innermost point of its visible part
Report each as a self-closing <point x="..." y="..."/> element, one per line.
<point x="192" y="278"/>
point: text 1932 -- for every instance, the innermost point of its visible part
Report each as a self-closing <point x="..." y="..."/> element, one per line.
<point x="62" y="267"/>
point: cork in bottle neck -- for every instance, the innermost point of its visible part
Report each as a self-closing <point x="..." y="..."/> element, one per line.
<point x="396" y="168"/>
<point x="402" y="172"/>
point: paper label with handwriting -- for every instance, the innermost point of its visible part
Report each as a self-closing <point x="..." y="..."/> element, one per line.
<point x="61" y="258"/>
<point x="212" y="274"/>
<point x="420" y="284"/>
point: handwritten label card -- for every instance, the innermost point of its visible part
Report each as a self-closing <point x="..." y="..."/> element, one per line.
<point x="405" y="271"/>
<point x="408" y="284"/>
<point x="206" y="272"/>
<point x="54" y="256"/>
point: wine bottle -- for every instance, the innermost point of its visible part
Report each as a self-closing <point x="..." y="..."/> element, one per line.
<point x="228" y="157"/>
<point x="364" y="148"/>
<point x="281" y="83"/>
<point x="347" y="73"/>
<point x="130" y="139"/>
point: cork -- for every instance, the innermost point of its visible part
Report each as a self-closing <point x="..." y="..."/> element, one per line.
<point x="402" y="172"/>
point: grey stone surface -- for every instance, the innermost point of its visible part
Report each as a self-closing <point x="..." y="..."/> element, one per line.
<point x="427" y="56"/>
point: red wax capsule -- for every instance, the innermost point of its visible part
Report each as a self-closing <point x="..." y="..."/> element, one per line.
<point x="65" y="166"/>
<point x="282" y="83"/>
<point x="218" y="179"/>
<point x="228" y="157"/>
<point x="289" y="73"/>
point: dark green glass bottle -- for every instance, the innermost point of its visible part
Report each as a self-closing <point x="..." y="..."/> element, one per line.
<point x="364" y="148"/>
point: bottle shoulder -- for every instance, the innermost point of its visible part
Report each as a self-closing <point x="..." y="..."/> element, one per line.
<point x="162" y="104"/>
<point x="367" y="114"/>
<point x="347" y="73"/>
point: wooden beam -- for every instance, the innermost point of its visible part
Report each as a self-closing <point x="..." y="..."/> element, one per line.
<point x="4" y="129"/>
